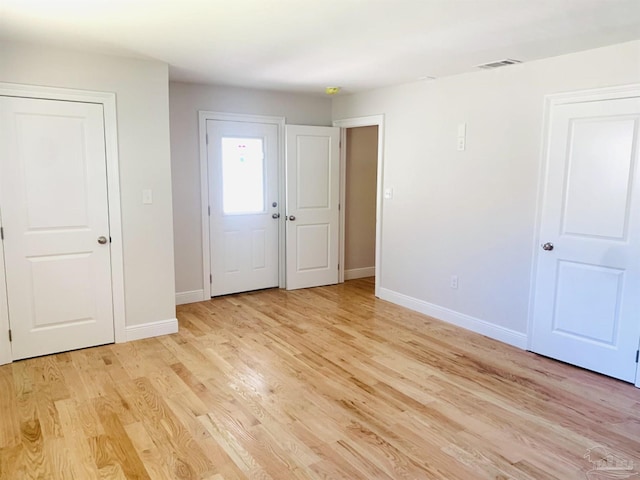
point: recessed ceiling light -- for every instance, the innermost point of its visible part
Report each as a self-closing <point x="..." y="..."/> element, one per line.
<point x="426" y="78"/>
<point x="331" y="90"/>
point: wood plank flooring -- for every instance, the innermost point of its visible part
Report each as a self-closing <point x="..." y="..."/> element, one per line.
<point x="324" y="383"/>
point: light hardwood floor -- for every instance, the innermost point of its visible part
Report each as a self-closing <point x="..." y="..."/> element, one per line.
<point x="313" y="384"/>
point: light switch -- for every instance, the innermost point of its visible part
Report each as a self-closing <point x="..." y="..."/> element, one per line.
<point x="147" y="196"/>
<point x="462" y="137"/>
<point x="388" y="193"/>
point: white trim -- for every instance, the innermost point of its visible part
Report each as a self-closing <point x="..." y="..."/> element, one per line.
<point x="115" y="218"/>
<point x="637" y="384"/>
<point x="365" y="122"/>
<point x="108" y="101"/>
<point x="594" y="94"/>
<point x="282" y="201"/>
<point x="203" y="116"/>
<point x="354" y="273"/>
<point x="342" y="217"/>
<point x="542" y="175"/>
<point x="488" y="329"/>
<point x="5" y="345"/>
<point x="191" y="296"/>
<point x="152" y="329"/>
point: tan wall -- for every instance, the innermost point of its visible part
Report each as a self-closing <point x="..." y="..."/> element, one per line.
<point x="185" y="100"/>
<point x="360" y="208"/>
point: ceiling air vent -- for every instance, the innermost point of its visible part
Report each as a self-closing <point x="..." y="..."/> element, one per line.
<point x="499" y="63"/>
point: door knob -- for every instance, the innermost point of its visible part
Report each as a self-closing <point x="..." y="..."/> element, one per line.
<point x="102" y="240"/>
<point x="275" y="215"/>
<point x="292" y="217"/>
<point x="547" y="246"/>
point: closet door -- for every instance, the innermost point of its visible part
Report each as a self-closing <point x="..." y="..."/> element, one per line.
<point x="55" y="219"/>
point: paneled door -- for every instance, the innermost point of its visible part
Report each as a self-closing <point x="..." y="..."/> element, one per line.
<point x="55" y="220"/>
<point x="243" y="197"/>
<point x="587" y="299"/>
<point x="313" y="178"/>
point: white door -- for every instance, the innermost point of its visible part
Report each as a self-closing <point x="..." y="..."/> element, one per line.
<point x="587" y="299"/>
<point x="53" y="198"/>
<point x="313" y="177"/>
<point x="243" y="197"/>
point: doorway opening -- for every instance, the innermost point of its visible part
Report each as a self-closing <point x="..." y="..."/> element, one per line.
<point x="361" y="158"/>
<point x="361" y="188"/>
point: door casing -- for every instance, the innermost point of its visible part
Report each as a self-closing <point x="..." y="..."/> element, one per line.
<point x="600" y="94"/>
<point x="203" y="116"/>
<point x="108" y="101"/>
<point x="344" y="124"/>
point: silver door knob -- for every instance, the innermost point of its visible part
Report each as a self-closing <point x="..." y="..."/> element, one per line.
<point x="547" y="246"/>
<point x="275" y="215"/>
<point x="292" y="217"/>
<point x="102" y="240"/>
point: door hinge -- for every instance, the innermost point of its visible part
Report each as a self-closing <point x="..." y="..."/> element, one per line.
<point x="637" y="354"/>
<point x="109" y="239"/>
<point x="338" y="266"/>
<point x="210" y="278"/>
<point x="209" y="210"/>
<point x="338" y="207"/>
<point x="10" y="337"/>
<point x="207" y="138"/>
<point x="1" y="233"/>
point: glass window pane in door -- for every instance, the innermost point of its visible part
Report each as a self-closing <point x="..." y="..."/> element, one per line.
<point x="242" y="176"/>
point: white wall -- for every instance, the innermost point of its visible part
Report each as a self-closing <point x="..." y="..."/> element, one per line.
<point x="141" y="89"/>
<point x="472" y="213"/>
<point x="185" y="102"/>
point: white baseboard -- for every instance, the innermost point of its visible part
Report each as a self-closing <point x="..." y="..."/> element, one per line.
<point x="506" y="335"/>
<point x="354" y="273"/>
<point x="152" y="329"/>
<point x="189" y="297"/>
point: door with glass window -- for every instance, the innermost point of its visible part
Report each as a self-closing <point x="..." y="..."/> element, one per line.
<point x="243" y="197"/>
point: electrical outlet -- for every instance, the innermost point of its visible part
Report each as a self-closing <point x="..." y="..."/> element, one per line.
<point x="454" y="281"/>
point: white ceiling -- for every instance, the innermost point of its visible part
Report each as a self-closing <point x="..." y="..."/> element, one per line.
<point x="306" y="45"/>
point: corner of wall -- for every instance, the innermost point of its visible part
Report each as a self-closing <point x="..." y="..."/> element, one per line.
<point x="483" y="327"/>
<point x="152" y="329"/>
<point x="192" y="296"/>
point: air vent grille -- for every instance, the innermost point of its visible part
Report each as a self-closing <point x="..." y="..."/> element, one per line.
<point x="499" y="63"/>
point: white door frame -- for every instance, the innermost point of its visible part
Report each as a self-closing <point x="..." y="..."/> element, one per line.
<point x="368" y="121"/>
<point x="551" y="101"/>
<point x="203" y="116"/>
<point x="108" y="102"/>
